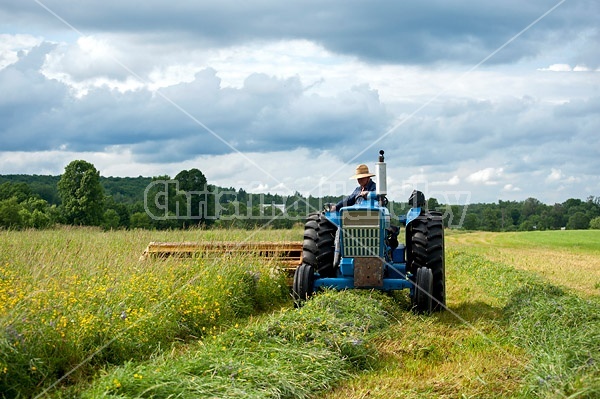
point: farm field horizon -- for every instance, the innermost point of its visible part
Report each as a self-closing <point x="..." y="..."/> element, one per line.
<point x="78" y="308"/>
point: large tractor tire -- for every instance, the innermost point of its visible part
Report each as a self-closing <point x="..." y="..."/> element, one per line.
<point x="303" y="285"/>
<point x="422" y="299"/>
<point x="319" y="244"/>
<point x="425" y="248"/>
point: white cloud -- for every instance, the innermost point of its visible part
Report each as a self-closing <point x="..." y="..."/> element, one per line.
<point x="555" y="175"/>
<point x="487" y="176"/>
<point x="510" y="188"/>
<point x="581" y="68"/>
<point x="91" y="62"/>
<point x="454" y="181"/>
<point x="566" y="68"/>
<point x="11" y="45"/>
<point x="558" y="68"/>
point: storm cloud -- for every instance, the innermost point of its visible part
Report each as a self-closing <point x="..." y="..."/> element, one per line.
<point x="497" y="99"/>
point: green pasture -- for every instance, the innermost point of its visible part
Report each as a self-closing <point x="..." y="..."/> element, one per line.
<point x="82" y="317"/>
<point x="577" y="241"/>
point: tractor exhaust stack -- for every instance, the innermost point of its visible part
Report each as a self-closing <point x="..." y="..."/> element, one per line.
<point x="380" y="176"/>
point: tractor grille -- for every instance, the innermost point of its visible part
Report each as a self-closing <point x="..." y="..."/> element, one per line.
<point x="360" y="234"/>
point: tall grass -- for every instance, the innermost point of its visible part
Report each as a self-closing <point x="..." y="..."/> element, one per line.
<point x="74" y="300"/>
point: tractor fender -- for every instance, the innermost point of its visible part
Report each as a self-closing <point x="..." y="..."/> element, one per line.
<point x="333" y="217"/>
<point x="412" y="214"/>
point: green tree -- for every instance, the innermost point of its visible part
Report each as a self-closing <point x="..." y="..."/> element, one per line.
<point x="572" y="203"/>
<point x="110" y="220"/>
<point x="579" y="221"/>
<point x="196" y="202"/>
<point x="35" y="219"/>
<point x="432" y="204"/>
<point x="81" y="193"/>
<point x="471" y="222"/>
<point x="140" y="220"/>
<point x="490" y="218"/>
<point x="160" y="203"/>
<point x="233" y="215"/>
<point x="36" y="213"/>
<point x="19" y="191"/>
<point x="595" y="223"/>
<point x="515" y="215"/>
<point x="530" y="207"/>
<point x="119" y="208"/>
<point x="10" y="213"/>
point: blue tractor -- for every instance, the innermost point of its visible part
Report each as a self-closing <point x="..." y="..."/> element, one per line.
<point x="357" y="247"/>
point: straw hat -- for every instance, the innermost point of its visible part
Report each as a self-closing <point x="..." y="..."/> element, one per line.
<point x="362" y="170"/>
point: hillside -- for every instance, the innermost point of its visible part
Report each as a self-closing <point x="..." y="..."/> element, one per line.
<point x="121" y="189"/>
<point x="238" y="208"/>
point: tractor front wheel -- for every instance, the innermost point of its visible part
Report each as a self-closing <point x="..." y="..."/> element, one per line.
<point x="422" y="298"/>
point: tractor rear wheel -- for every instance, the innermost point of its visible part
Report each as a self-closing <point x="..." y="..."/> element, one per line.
<point x="425" y="248"/>
<point x="303" y="285"/>
<point x="319" y="244"/>
<point x="422" y="299"/>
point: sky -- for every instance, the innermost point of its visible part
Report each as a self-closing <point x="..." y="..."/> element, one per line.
<point x="472" y="101"/>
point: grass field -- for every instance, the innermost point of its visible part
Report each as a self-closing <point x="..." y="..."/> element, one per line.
<point x="567" y="258"/>
<point x="82" y="317"/>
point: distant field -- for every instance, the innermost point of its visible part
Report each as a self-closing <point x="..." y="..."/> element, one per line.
<point x="578" y="241"/>
<point x="569" y="258"/>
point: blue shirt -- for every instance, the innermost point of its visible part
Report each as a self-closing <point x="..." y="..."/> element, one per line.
<point x="355" y="197"/>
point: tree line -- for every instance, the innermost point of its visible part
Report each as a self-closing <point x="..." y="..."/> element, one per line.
<point x="81" y="197"/>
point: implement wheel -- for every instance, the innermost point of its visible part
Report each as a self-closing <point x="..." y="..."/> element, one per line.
<point x="425" y="248"/>
<point x="303" y="286"/>
<point x="319" y="244"/>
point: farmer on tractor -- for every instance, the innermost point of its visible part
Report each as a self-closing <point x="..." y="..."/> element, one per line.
<point x="365" y="185"/>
